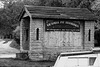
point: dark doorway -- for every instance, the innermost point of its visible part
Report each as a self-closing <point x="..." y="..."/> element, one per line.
<point x="26" y="32"/>
<point x="97" y="38"/>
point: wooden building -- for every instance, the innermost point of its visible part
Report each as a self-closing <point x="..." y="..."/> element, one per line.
<point x="48" y="31"/>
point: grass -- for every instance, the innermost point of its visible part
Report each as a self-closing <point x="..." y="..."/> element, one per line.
<point x="24" y="63"/>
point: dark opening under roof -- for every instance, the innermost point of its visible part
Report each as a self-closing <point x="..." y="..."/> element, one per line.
<point x="60" y="12"/>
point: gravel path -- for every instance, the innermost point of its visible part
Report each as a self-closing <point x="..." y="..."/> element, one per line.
<point x="5" y="47"/>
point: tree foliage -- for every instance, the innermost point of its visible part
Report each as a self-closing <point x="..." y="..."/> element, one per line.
<point x="53" y="3"/>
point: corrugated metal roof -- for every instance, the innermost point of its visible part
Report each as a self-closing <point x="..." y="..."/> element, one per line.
<point x="60" y="12"/>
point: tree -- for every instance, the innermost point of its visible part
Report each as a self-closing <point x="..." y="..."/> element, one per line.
<point x="9" y="16"/>
<point x="80" y="3"/>
<point x="53" y="3"/>
<point x="73" y="3"/>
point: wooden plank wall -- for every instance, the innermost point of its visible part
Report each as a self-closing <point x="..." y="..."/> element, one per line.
<point x="89" y="25"/>
<point x="24" y="26"/>
<point x="21" y="34"/>
<point x="36" y="50"/>
<point x="62" y="39"/>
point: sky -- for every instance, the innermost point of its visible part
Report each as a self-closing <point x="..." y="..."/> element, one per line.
<point x="1" y="5"/>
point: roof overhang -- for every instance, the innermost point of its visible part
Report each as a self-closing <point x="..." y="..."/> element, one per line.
<point x="44" y="12"/>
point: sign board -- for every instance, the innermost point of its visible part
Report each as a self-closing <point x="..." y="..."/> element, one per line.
<point x="54" y="25"/>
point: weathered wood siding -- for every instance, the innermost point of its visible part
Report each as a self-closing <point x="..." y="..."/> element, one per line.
<point x="36" y="45"/>
<point x="25" y="23"/>
<point x="62" y="39"/>
<point x="21" y="34"/>
<point x="89" y="25"/>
